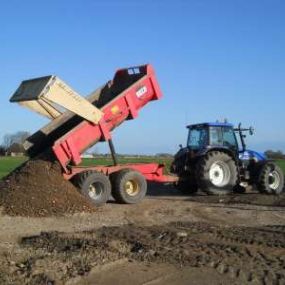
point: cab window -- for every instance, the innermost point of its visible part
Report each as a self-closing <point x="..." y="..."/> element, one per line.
<point x="229" y="138"/>
<point x="216" y="136"/>
<point x="198" y="138"/>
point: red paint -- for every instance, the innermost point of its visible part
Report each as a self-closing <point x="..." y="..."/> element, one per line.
<point x="68" y="148"/>
<point x="124" y="107"/>
<point x="151" y="171"/>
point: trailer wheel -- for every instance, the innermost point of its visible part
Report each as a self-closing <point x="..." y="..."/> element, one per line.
<point x="270" y="179"/>
<point x="217" y="173"/>
<point x="95" y="186"/>
<point x="128" y="186"/>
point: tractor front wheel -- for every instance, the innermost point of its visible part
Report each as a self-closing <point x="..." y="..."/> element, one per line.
<point x="217" y="173"/>
<point x="270" y="179"/>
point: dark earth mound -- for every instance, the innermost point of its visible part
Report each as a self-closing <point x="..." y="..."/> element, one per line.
<point x="248" y="255"/>
<point x="37" y="189"/>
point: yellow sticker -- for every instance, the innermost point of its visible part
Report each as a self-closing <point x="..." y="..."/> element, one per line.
<point x="115" y="109"/>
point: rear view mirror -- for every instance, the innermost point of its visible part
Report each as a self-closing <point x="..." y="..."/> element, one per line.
<point x="251" y="130"/>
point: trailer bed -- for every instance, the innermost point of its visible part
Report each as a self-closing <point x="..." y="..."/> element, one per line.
<point x="69" y="135"/>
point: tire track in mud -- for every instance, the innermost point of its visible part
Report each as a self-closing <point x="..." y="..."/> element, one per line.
<point x="270" y="236"/>
<point x="245" y="254"/>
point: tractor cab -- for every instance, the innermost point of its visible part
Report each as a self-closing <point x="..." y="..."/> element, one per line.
<point x="205" y="136"/>
<point x="208" y="136"/>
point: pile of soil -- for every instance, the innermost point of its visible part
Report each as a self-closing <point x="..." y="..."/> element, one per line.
<point x="37" y="189"/>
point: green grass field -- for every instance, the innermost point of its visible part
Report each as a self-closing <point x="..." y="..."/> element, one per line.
<point x="7" y="164"/>
<point x="281" y="163"/>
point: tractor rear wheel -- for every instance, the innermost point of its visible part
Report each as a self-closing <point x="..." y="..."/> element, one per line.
<point x="217" y="173"/>
<point x="95" y="186"/>
<point x="128" y="186"/>
<point x="270" y="179"/>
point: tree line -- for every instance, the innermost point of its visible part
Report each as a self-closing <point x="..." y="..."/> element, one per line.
<point x="275" y="154"/>
<point x="13" y="143"/>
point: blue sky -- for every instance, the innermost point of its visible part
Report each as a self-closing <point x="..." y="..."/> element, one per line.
<point x="214" y="59"/>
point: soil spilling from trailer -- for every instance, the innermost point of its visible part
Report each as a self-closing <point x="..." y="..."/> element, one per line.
<point x="37" y="189"/>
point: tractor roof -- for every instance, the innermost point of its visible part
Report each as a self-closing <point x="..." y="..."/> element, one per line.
<point x="210" y="125"/>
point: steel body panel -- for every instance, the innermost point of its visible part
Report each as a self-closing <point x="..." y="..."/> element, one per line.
<point x="151" y="171"/>
<point x="45" y="95"/>
<point x="122" y="107"/>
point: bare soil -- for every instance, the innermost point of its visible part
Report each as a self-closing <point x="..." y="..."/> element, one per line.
<point x="252" y="198"/>
<point x="37" y="189"/>
<point x="166" y="239"/>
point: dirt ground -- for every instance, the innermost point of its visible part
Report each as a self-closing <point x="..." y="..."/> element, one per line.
<point x="166" y="239"/>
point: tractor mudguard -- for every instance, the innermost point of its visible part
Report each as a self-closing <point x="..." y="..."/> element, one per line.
<point x="220" y="148"/>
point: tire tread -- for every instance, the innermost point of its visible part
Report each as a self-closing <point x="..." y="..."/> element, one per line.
<point x="203" y="182"/>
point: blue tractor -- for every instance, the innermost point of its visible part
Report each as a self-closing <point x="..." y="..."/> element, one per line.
<point x="217" y="161"/>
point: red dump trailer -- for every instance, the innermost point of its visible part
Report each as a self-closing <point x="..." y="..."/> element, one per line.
<point x="70" y="135"/>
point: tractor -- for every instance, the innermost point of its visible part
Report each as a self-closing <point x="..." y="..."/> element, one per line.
<point x="216" y="161"/>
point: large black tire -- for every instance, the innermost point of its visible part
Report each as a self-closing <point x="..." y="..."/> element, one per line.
<point x="95" y="186"/>
<point x="270" y="179"/>
<point x="187" y="184"/>
<point x="217" y="173"/>
<point x="128" y="186"/>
